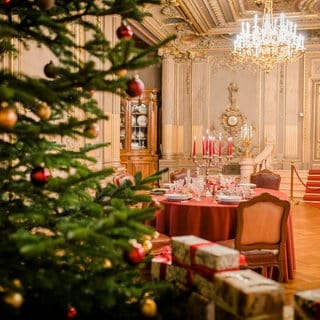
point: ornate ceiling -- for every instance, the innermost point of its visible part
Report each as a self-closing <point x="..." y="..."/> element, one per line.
<point x="212" y="24"/>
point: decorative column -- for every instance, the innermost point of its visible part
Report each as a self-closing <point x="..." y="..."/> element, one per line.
<point x="110" y="103"/>
<point x="247" y="163"/>
<point x="168" y="104"/>
<point x="246" y="168"/>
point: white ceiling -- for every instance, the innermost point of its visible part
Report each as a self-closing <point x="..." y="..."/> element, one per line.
<point x="212" y="24"/>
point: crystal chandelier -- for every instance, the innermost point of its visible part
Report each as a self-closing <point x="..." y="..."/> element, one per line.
<point x="275" y="42"/>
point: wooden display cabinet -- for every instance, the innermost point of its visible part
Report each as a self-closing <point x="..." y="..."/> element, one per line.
<point x="138" y="133"/>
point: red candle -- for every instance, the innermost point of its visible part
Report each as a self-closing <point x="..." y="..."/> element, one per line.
<point x="194" y="146"/>
<point x="203" y="146"/>
<point x="207" y="142"/>
<point x="220" y="145"/>
<point x="213" y="141"/>
<point x="210" y="146"/>
<point x="229" y="152"/>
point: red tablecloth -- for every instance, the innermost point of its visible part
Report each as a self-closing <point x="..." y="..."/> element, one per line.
<point x="213" y="221"/>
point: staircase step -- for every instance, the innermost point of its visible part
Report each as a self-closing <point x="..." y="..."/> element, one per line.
<point x="314" y="171"/>
<point x="314" y="177"/>
<point x="311" y="201"/>
<point x="311" y="197"/>
<point x="313" y="191"/>
<point x="313" y="184"/>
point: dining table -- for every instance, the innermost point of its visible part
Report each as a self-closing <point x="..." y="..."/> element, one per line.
<point x="214" y="221"/>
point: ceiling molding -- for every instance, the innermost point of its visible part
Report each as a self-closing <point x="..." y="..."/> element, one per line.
<point x="212" y="24"/>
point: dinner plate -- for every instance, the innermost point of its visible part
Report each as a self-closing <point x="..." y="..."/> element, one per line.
<point x="159" y="191"/>
<point x="142" y="108"/>
<point x="177" y="196"/>
<point x="249" y="185"/>
<point x="142" y="121"/>
<point x="229" y="199"/>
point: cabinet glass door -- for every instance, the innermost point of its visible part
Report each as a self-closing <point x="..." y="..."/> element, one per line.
<point x="140" y="125"/>
<point x="122" y="126"/>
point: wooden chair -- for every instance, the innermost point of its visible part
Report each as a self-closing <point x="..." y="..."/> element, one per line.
<point x="266" y="179"/>
<point x="261" y="233"/>
<point x="180" y="174"/>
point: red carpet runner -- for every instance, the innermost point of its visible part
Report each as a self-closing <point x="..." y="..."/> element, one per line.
<point x="312" y="192"/>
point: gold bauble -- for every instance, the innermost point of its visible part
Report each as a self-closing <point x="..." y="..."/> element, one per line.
<point x="147" y="246"/>
<point x="107" y="264"/>
<point x="14" y="299"/>
<point x="121" y="72"/>
<point x="8" y="118"/>
<point x="17" y="283"/>
<point x="148" y="307"/>
<point x="43" y="111"/>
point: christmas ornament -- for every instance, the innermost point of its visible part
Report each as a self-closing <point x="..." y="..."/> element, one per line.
<point x="136" y="255"/>
<point x="14" y="299"/>
<point x="107" y="264"/>
<point x="72" y="312"/>
<point x="40" y="176"/>
<point x="50" y="70"/>
<point x="121" y="73"/>
<point x="44" y="4"/>
<point x="92" y="130"/>
<point x="148" y="307"/>
<point x="135" y="87"/>
<point x="17" y="283"/>
<point x="7" y="2"/>
<point x="147" y="245"/>
<point x="43" y="111"/>
<point x="8" y="118"/>
<point x="124" y="31"/>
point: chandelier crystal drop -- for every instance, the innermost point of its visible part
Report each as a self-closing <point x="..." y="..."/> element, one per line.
<point x="275" y="42"/>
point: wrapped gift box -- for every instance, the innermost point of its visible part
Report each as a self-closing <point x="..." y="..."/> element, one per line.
<point x="307" y="304"/>
<point x="200" y="308"/>
<point x="162" y="269"/>
<point x="204" y="286"/>
<point x="203" y="256"/>
<point x="248" y="295"/>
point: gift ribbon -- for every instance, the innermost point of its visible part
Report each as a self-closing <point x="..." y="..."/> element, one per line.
<point x="165" y="254"/>
<point x="204" y="271"/>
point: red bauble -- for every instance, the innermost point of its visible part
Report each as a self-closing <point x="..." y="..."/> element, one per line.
<point x="40" y="176"/>
<point x="8" y="118"/>
<point x="135" y="87"/>
<point x="92" y="131"/>
<point x="44" y="4"/>
<point x="124" y="31"/>
<point x="72" y="312"/>
<point x="137" y="254"/>
<point x="50" y="70"/>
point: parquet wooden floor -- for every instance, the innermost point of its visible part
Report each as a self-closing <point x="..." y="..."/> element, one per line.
<point x="306" y="227"/>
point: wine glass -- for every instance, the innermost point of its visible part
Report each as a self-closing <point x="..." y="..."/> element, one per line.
<point x="197" y="188"/>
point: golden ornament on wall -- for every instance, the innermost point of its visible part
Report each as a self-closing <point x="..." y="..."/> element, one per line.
<point x="232" y="118"/>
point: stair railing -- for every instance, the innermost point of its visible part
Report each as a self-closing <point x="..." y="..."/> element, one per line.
<point x="264" y="159"/>
<point x="294" y="170"/>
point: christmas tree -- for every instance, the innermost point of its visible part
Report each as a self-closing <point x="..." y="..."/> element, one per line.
<point x="73" y="243"/>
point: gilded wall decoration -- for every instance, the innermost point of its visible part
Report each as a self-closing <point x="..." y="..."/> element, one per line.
<point x="232" y="118"/>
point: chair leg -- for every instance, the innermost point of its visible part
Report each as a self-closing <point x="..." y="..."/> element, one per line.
<point x="270" y="272"/>
<point x="281" y="274"/>
<point x="264" y="271"/>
